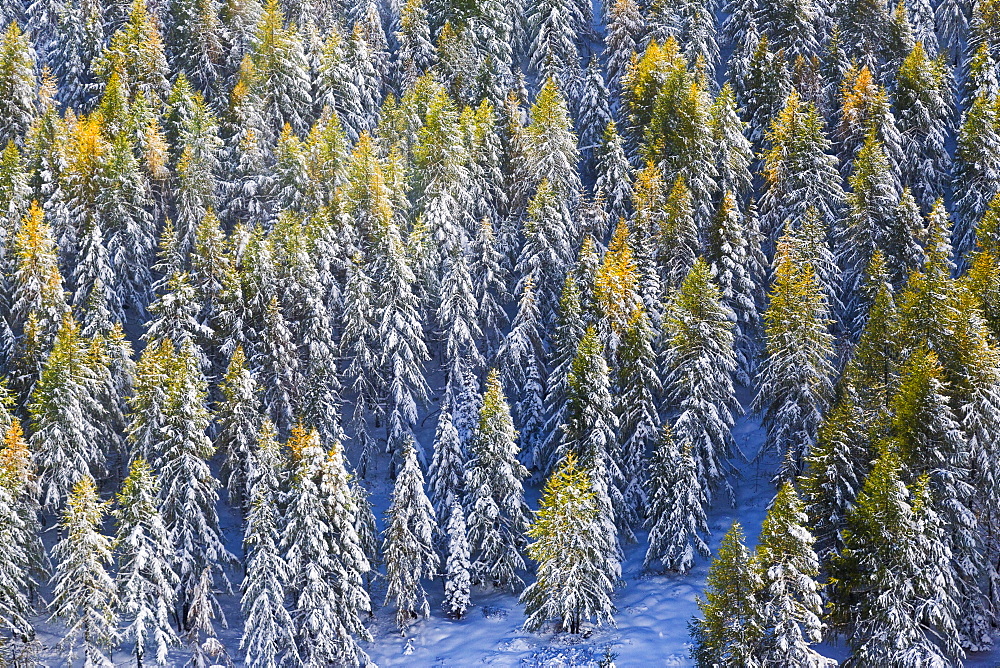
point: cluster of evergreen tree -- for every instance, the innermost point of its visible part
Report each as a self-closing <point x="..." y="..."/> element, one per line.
<point x="578" y="235"/>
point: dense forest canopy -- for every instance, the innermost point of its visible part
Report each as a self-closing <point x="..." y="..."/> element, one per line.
<point x="258" y="258"/>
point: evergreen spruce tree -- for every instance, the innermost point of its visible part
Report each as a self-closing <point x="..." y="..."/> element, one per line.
<point x="457" y="574"/>
<point x="593" y="113"/>
<point x="677" y="500"/>
<point x="197" y="169"/>
<point x="731" y="627"/>
<point x="550" y="145"/>
<point x="547" y="250"/>
<point x="458" y="318"/>
<point x="188" y="491"/>
<point x="626" y="30"/>
<point x="447" y="470"/>
<point x="589" y="433"/>
<point x="409" y="550"/>
<point x="175" y="317"/>
<point x="789" y="594"/>
<point x="403" y="350"/>
<point x="795" y="377"/>
<point x="19" y="530"/>
<point x="897" y="609"/>
<point x="614" y="173"/>
<point x="734" y="150"/>
<point x="239" y="424"/>
<point x="574" y="582"/>
<point x="17" y="85"/>
<point x="923" y="111"/>
<point x="489" y="278"/>
<point x="698" y="366"/>
<point x="568" y="330"/>
<point x="65" y="419"/>
<point x="734" y="253"/>
<point x="496" y="511"/>
<point x="145" y="582"/>
<point x="638" y="409"/>
<point x="324" y="555"/>
<point x="554" y="29"/>
<point x="358" y="342"/>
<point x="677" y="239"/>
<point x="278" y="367"/>
<point x="762" y="82"/>
<point x="522" y="352"/>
<point x="194" y="41"/>
<point x="83" y="592"/>
<point x="268" y="632"/>
<point x="868" y="224"/>
<point x="976" y="168"/>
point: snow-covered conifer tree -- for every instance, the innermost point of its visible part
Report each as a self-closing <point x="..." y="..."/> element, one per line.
<point x="324" y="556"/>
<point x="64" y="418"/>
<point x="188" y="490"/>
<point x="402" y="349"/>
<point x="496" y="511"/>
<point x="547" y="250"/>
<point x="730" y="628"/>
<point x="795" y="376"/>
<point x="175" y="316"/>
<point x="409" y="536"/>
<point x="871" y="206"/>
<point x="617" y="289"/>
<point x="446" y="476"/>
<point x="574" y="582"/>
<point x="734" y="151"/>
<point x="268" y="632"/>
<point x="554" y="28"/>
<point x="458" y="318"/>
<point x="83" y="591"/>
<point x="358" y="341"/>
<point x="790" y="594"/>
<point x="638" y="386"/>
<point x="489" y="278"/>
<point x="924" y="109"/>
<point x="614" y="173"/>
<point x="977" y="167"/>
<point x="145" y="582"/>
<point x="901" y="600"/>
<point x="19" y="533"/>
<point x="457" y="569"/>
<point x="677" y="238"/>
<point x="799" y="171"/>
<point x="677" y="501"/>
<point x="18" y="97"/>
<point x="238" y="418"/>
<point x="737" y="261"/>
<point x="698" y="367"/>
<point x="626" y="30"/>
<point x="416" y="51"/>
<point x="589" y="433"/>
